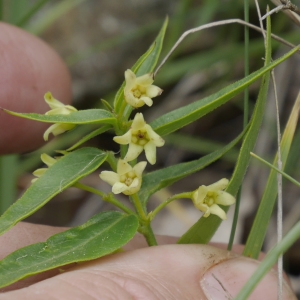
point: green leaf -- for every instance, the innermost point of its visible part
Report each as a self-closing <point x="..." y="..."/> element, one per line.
<point x="199" y="145"/>
<point x="145" y="64"/>
<point x="259" y="228"/>
<point x="183" y="116"/>
<point x="51" y="15"/>
<point x="157" y="180"/>
<point x="33" y="9"/>
<point x="101" y="235"/>
<point x="151" y="60"/>
<point x="81" y="117"/>
<point x="204" y="229"/>
<point x="89" y="136"/>
<point x="63" y="174"/>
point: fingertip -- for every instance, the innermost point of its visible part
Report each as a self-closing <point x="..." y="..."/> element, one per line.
<point x="29" y="69"/>
<point x="226" y="279"/>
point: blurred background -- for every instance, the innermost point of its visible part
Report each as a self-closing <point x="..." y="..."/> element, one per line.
<point x="99" y="40"/>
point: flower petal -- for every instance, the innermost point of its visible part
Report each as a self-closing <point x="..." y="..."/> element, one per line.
<point x="218" y="211"/>
<point x="130" y="99"/>
<point x="64" y="110"/>
<point x="135" y="184"/>
<point x="219" y="185"/>
<point x="146" y="100"/>
<point x="134" y="187"/>
<point x="138" y="122"/>
<point x="119" y="187"/>
<point x="48" y="160"/>
<point x="51" y="101"/>
<point x="139" y="168"/>
<point x="202" y="192"/>
<point x="153" y="91"/>
<point x="133" y="152"/>
<point x="123" y="139"/>
<point x="145" y="80"/>
<point x="39" y="172"/>
<point x="123" y="167"/>
<point x="130" y="79"/>
<point x="224" y="198"/>
<point x="61" y="128"/>
<point x="48" y="131"/>
<point x="150" y="151"/>
<point x="155" y="138"/>
<point x="109" y="177"/>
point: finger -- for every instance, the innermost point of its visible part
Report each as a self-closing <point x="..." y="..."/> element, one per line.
<point x="163" y="272"/>
<point x="24" y="234"/>
<point x="29" y="69"/>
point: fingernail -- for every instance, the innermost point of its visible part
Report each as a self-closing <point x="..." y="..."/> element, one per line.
<point x="226" y="279"/>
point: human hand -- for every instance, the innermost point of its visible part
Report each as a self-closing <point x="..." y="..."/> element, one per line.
<point x="163" y="272"/>
<point x="29" y="69"/>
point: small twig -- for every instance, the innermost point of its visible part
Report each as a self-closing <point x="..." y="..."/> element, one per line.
<point x="286" y="5"/>
<point x="289" y="5"/>
<point x="274" y="10"/>
<point x="260" y="21"/>
<point x="215" y="24"/>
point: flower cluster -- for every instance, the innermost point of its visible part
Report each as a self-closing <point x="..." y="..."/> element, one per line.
<point x="141" y="137"/>
<point x="57" y="108"/>
<point x="138" y="91"/>
<point x="208" y="198"/>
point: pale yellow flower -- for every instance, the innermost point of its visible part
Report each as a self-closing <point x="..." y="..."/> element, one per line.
<point x="207" y="198"/>
<point x="47" y="160"/>
<point x="139" y="137"/>
<point x="139" y="91"/>
<point x="57" y="108"/>
<point x="127" y="180"/>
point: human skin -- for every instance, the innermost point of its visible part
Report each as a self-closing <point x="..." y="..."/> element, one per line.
<point x="169" y="271"/>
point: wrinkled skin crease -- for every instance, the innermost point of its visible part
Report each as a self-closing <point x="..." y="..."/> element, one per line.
<point x="118" y="274"/>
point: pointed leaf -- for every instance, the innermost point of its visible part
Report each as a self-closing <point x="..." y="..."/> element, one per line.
<point x="89" y="136"/>
<point x="262" y="218"/>
<point x="204" y="229"/>
<point x="63" y="174"/>
<point x="157" y="180"/>
<point x="183" y="116"/>
<point x="101" y="235"/>
<point x="88" y="116"/>
<point x="145" y="64"/>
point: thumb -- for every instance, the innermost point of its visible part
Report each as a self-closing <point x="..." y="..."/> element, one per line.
<point x="162" y="272"/>
<point x="226" y="279"/>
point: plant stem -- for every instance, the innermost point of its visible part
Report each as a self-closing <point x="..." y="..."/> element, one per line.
<point x="145" y="220"/>
<point x="112" y="160"/>
<point x="187" y="195"/>
<point x="147" y="232"/>
<point x="105" y="197"/>
<point x="138" y="207"/>
<point x="121" y="112"/>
